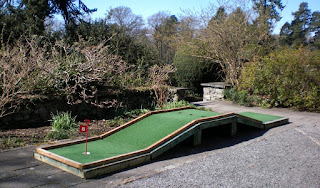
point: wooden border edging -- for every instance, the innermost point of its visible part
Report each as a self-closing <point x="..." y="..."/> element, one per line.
<point x="146" y="154"/>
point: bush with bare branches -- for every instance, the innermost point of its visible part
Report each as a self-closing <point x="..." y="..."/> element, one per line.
<point x="37" y="67"/>
<point x="159" y="76"/>
<point x="15" y="75"/>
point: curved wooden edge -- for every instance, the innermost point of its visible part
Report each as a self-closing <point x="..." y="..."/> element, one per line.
<point x="135" y="153"/>
<point x="125" y="125"/>
<point x="155" y="145"/>
<point x="42" y="150"/>
<point x="138" y="119"/>
<point x="59" y="158"/>
<point x="58" y="145"/>
<point x="187" y="126"/>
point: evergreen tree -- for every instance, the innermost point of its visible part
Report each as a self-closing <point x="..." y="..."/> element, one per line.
<point x="165" y="28"/>
<point x="286" y="34"/>
<point x="219" y="17"/>
<point x="315" y="29"/>
<point x="300" y="25"/>
<point x="36" y="11"/>
<point x="296" y="33"/>
<point x="27" y="17"/>
<point x="268" y="11"/>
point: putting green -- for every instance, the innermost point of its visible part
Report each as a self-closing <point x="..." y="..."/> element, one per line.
<point x="136" y="137"/>
<point x="261" y="117"/>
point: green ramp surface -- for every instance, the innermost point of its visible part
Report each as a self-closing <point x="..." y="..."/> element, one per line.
<point x="261" y="117"/>
<point x="137" y="136"/>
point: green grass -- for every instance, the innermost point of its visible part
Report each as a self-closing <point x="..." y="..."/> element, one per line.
<point x="261" y="117"/>
<point x="133" y="138"/>
<point x="62" y="126"/>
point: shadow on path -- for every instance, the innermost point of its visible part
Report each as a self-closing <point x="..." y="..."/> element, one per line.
<point x="212" y="139"/>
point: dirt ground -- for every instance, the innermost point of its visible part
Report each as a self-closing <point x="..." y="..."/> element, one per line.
<point x="16" y="138"/>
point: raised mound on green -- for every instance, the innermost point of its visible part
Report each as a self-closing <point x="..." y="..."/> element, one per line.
<point x="136" y="137"/>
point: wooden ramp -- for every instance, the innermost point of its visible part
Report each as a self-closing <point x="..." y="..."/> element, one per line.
<point x="143" y="139"/>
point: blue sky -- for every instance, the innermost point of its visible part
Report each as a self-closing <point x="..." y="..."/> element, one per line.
<point x="146" y="8"/>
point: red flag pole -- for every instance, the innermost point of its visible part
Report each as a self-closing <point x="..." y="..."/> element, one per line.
<point x="86" y="142"/>
<point x="87" y="127"/>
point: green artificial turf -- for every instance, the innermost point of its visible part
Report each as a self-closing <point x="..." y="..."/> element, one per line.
<point x="133" y="138"/>
<point x="261" y="117"/>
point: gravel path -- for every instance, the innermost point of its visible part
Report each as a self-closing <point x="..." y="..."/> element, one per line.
<point x="285" y="156"/>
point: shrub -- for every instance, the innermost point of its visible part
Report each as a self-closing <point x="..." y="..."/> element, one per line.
<point x="62" y="126"/>
<point x="288" y="78"/>
<point x="191" y="71"/>
<point x="240" y="97"/>
<point x="174" y="104"/>
<point x="125" y="117"/>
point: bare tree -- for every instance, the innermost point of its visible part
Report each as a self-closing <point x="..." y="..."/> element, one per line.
<point x="158" y="19"/>
<point x="125" y="18"/>
<point x="228" y="39"/>
<point x="163" y="28"/>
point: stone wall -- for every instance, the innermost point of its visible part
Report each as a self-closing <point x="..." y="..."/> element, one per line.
<point x="38" y="112"/>
<point x="214" y="90"/>
<point x="211" y="94"/>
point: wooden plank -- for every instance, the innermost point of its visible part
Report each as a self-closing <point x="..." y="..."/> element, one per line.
<point x="113" y="159"/>
<point x="134" y="158"/>
<point x="214" y="121"/>
<point x="89" y="165"/>
<point x="115" y="166"/>
<point x="173" y="142"/>
<point x="250" y="123"/>
<point x="172" y="110"/>
<point x="222" y="121"/>
<point x="197" y="137"/>
<point x="275" y="123"/>
<point x="59" y="158"/>
<point x="69" y="143"/>
<point x="152" y="147"/>
<point x="234" y="127"/>
<point x="59" y="165"/>
<point x="184" y="128"/>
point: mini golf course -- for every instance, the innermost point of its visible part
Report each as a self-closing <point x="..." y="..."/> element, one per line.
<point x="143" y="139"/>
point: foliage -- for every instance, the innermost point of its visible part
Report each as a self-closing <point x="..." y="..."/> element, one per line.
<point x="12" y="142"/>
<point x="228" y="39"/>
<point x="303" y="30"/>
<point x="191" y="71"/>
<point x="135" y="113"/>
<point x="129" y="23"/>
<point x="158" y="77"/>
<point x="239" y="97"/>
<point x="268" y="10"/>
<point x="125" y="117"/>
<point x="70" y="11"/>
<point x="20" y="19"/>
<point x="16" y="74"/>
<point x="174" y="104"/>
<point x="315" y="27"/>
<point x="63" y="124"/>
<point x="288" y="78"/>
<point x="75" y="72"/>
<point x="117" y="121"/>
<point x="164" y="28"/>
